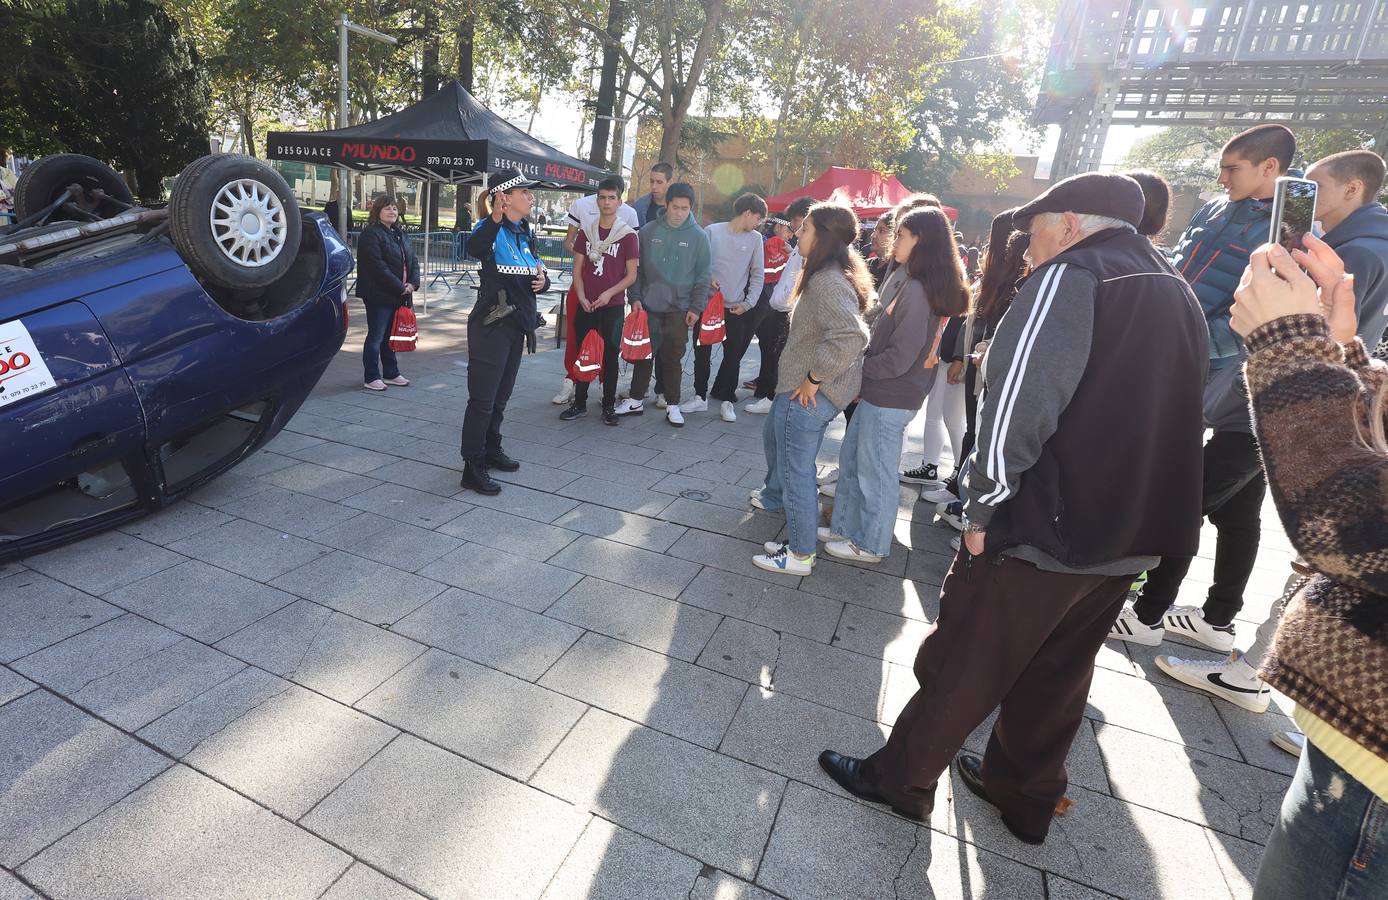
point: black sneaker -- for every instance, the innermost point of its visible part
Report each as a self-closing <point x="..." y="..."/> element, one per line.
<point x="501" y="462"/>
<point x="609" y="415"/>
<point x="576" y="410"/>
<point x="477" y="478"/>
<point x="922" y="475"/>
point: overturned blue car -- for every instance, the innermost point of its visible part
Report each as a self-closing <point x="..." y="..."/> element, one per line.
<point x="145" y="350"/>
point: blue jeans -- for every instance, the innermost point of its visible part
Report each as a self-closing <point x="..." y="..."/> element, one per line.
<point x="865" y="501"/>
<point x="1330" y="841"/>
<point x="792" y="437"/>
<point x="376" y="352"/>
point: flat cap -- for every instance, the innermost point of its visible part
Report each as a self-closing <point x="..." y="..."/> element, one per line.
<point x="1091" y="193"/>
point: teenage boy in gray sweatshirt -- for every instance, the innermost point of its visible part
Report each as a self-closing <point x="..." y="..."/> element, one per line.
<point x="672" y="285"/>
<point x="738" y="271"/>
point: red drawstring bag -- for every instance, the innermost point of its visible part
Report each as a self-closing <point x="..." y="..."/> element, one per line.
<point x="712" y="329"/>
<point x="404" y="331"/>
<point x="589" y="363"/>
<point x="636" y="336"/>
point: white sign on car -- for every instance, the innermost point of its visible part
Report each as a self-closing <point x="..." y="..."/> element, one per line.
<point x="23" y="373"/>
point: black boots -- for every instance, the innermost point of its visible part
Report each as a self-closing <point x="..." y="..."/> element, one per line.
<point x="477" y="478"/>
<point x="501" y="462"/>
<point x="609" y="415"/>
<point x="970" y="769"/>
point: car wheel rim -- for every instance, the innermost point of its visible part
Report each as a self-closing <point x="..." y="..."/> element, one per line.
<point x="248" y="223"/>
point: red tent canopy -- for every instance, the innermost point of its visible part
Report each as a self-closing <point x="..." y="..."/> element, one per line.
<point x="869" y="193"/>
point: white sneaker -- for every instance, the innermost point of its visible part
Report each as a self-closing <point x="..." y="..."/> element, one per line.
<point x="1229" y="679"/>
<point x="698" y="404"/>
<point x="660" y="401"/>
<point x="1292" y="741"/>
<point x="674" y="416"/>
<point x="728" y="411"/>
<point x="759" y="407"/>
<point x="937" y="495"/>
<point x="566" y="393"/>
<point x="828" y="489"/>
<point x="1188" y="622"/>
<point x="828" y="476"/>
<point x="825" y="535"/>
<point x="630" y="407"/>
<point x="851" y="551"/>
<point x="755" y="497"/>
<point x="783" y="562"/>
<point x="952" y="514"/>
<point x="1133" y="630"/>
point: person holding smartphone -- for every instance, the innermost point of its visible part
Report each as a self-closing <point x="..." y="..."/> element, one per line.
<point x="502" y="322"/>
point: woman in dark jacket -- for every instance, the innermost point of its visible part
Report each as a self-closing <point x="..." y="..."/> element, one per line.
<point x="502" y="322"/>
<point x="387" y="276"/>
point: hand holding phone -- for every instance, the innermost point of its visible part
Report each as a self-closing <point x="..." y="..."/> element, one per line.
<point x="1293" y="212"/>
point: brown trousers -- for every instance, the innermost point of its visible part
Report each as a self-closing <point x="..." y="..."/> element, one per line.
<point x="669" y="332"/>
<point x="1013" y="635"/>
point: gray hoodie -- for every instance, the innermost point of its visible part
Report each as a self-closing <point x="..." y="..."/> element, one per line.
<point x="1362" y="242"/>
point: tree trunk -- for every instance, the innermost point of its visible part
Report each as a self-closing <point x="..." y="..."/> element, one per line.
<point x="247" y="133"/>
<point x="430" y="77"/>
<point x="607" y="86"/>
<point x="675" y="101"/>
<point x="466" y="34"/>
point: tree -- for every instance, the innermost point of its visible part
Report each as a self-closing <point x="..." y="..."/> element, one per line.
<point x="1188" y="156"/>
<point x="114" y="79"/>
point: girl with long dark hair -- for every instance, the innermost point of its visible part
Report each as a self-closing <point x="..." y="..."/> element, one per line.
<point x="899" y="368"/>
<point x="820" y="372"/>
<point x="387" y="277"/>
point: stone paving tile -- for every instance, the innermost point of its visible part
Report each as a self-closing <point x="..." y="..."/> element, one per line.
<point x="632" y="566"/>
<point x="405" y="504"/>
<point x="129" y="671"/>
<point x="1161" y="711"/>
<point x="11" y="888"/>
<point x="882" y="635"/>
<point x="1227" y="796"/>
<point x="291" y="750"/>
<point x="488" y="716"/>
<point x="402" y="547"/>
<point x="184" y="835"/>
<point x="612" y="863"/>
<point x="201" y="601"/>
<point x="323" y="650"/>
<point x="513" y="534"/>
<point x="1252" y="734"/>
<point x="179" y="731"/>
<point x="549" y="434"/>
<point x="716" y="885"/>
<point x="846" y="681"/>
<point x="361" y="882"/>
<point x="289" y="512"/>
<point x="421" y="476"/>
<point x="537" y="478"/>
<point x="449" y="827"/>
<point x="1238" y="860"/>
<point x="249" y="549"/>
<point x="60" y="767"/>
<point x="779" y="608"/>
<point x="36" y="611"/>
<point x="287" y="442"/>
<point x="540" y="454"/>
<point x="676" y="697"/>
<point x="230" y="487"/>
<point x="369" y="590"/>
<point x="827" y="846"/>
<point x="745" y="651"/>
<point x="710" y="806"/>
<point x="617" y="450"/>
<point x="490" y="632"/>
<point x="13" y="686"/>
<point x="1058" y="888"/>
<point x="342" y="456"/>
<point x="103" y="563"/>
<point x="720" y="492"/>
<point x="622" y="527"/>
<point x="323" y="482"/>
<point x="523" y="501"/>
<point x="745" y="524"/>
<point x="623" y="472"/>
<point x="175" y="523"/>
<point x="872" y="589"/>
<point x="625" y="497"/>
<point x="665" y="626"/>
<point x="728" y="554"/>
<point x="503" y="576"/>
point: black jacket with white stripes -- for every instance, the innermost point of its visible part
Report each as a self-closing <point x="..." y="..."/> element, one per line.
<point x="1090" y="433"/>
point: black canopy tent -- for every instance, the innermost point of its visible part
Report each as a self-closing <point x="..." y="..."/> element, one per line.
<point x="448" y="137"/>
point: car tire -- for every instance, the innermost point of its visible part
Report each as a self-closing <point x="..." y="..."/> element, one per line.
<point x="234" y="221"/>
<point x="45" y="179"/>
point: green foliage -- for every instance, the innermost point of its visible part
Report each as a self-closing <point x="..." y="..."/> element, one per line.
<point x="1188" y="156"/>
<point x="114" y="79"/>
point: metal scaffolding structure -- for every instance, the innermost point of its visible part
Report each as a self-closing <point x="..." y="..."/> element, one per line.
<point x="1306" y="63"/>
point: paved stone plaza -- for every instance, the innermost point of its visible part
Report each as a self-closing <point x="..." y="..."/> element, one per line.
<point x="332" y="674"/>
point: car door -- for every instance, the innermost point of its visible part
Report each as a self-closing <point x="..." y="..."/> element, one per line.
<point x="71" y="427"/>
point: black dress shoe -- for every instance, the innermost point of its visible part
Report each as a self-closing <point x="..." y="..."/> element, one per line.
<point x="576" y="410"/>
<point x="609" y="416"/>
<point x="477" y="478"/>
<point x="498" y="460"/>
<point x="847" y="772"/>
<point x="971" y="773"/>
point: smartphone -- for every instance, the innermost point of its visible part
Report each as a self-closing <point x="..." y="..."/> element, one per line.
<point x="1293" y="212"/>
